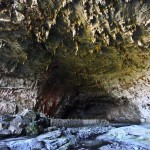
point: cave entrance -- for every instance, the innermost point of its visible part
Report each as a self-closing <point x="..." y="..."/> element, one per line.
<point x="90" y="108"/>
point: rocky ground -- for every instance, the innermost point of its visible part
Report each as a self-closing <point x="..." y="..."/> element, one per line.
<point x="31" y="130"/>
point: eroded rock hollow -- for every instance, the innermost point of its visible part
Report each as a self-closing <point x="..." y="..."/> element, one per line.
<point x="76" y="58"/>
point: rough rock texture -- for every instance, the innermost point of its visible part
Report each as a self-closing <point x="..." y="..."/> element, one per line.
<point x="128" y="138"/>
<point x="27" y="123"/>
<point x="30" y="123"/>
<point x="89" y="138"/>
<point x="76" y="59"/>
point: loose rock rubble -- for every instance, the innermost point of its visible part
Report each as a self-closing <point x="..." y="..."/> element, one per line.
<point x="31" y="130"/>
<point x="27" y="123"/>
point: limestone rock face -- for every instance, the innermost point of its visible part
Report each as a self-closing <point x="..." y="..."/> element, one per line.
<point x="77" y="59"/>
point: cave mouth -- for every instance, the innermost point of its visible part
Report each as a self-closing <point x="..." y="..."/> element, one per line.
<point x="65" y="95"/>
<point x="90" y="108"/>
<point x="103" y="107"/>
<point x="58" y="102"/>
<point x="90" y="105"/>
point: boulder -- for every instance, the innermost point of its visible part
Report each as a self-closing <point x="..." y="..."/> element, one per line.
<point x="3" y="125"/>
<point x="29" y="115"/>
<point x="7" y="118"/>
<point x="7" y="108"/>
<point x="35" y="144"/>
<point x="19" y="121"/>
<point x="4" y="147"/>
<point x="5" y="133"/>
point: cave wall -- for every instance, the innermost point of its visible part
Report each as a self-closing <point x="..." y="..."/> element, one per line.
<point x="62" y="53"/>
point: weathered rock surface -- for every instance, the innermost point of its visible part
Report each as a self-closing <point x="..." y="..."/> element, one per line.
<point x="32" y="123"/>
<point x="76" y="59"/>
<point x="31" y="130"/>
<point x="91" y="138"/>
<point x="130" y="137"/>
<point x="27" y="123"/>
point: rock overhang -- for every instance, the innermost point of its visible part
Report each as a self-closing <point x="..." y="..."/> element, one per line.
<point x="78" y="48"/>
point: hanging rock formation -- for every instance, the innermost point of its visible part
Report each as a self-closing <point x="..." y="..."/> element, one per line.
<point x="76" y="59"/>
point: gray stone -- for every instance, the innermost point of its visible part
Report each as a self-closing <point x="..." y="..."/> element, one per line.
<point x="6" y="118"/>
<point x="19" y="145"/>
<point x="138" y="136"/>
<point x="44" y="148"/>
<point x="12" y="128"/>
<point x="3" y="125"/>
<point x="49" y="145"/>
<point x="49" y="129"/>
<point x="87" y="132"/>
<point x="7" y="108"/>
<point x="117" y="146"/>
<point x="19" y="121"/>
<point x="103" y="49"/>
<point x="64" y="147"/>
<point x="29" y="115"/>
<point x="35" y="144"/>
<point x="61" y="142"/>
<point x="4" y="147"/>
<point x="42" y="115"/>
<point x="49" y="135"/>
<point x="135" y="137"/>
<point x="124" y="114"/>
<point x="5" y="133"/>
<point x="19" y="131"/>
